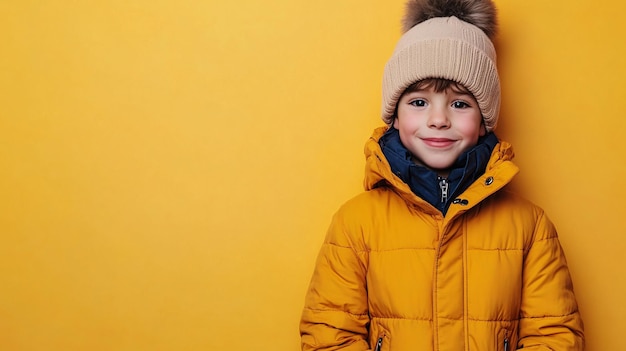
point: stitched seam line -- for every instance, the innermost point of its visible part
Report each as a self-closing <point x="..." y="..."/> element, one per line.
<point x="404" y="249"/>
<point x="386" y="250"/>
<point x="336" y="310"/>
<point x="555" y="316"/>
<point x="404" y="319"/>
<point x="479" y="249"/>
<point x="480" y="320"/>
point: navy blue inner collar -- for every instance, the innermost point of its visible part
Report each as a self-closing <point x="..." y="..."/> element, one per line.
<point x="423" y="181"/>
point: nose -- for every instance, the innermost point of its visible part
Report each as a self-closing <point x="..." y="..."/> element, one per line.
<point x="438" y="119"/>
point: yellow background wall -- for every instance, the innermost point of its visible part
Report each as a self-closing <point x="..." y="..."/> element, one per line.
<point x="168" y="168"/>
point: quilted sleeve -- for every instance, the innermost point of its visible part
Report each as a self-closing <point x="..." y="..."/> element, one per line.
<point x="549" y="312"/>
<point x="335" y="315"/>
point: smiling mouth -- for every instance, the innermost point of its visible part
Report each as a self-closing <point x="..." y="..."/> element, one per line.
<point x="438" y="142"/>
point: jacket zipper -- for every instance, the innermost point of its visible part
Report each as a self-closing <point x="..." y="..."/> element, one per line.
<point x="506" y="340"/>
<point x="379" y="344"/>
<point x="443" y="186"/>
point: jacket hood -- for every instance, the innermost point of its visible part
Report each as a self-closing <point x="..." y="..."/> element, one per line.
<point x="378" y="172"/>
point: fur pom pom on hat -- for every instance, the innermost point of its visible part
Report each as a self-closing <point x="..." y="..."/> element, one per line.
<point x="482" y="14"/>
<point x="448" y="39"/>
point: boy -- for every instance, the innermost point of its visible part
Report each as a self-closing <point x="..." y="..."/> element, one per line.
<point x="436" y="254"/>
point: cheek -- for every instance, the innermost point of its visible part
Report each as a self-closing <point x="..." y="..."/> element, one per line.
<point x="401" y="117"/>
<point x="473" y="133"/>
<point x="405" y="126"/>
<point x="406" y="120"/>
<point x="472" y="128"/>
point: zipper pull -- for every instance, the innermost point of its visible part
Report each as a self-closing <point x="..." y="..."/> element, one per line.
<point x="506" y="340"/>
<point x="379" y="344"/>
<point x="443" y="186"/>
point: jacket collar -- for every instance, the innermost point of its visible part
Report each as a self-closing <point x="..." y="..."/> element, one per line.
<point x="490" y="158"/>
<point x="424" y="182"/>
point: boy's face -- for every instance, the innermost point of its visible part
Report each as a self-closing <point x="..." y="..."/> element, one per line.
<point x="437" y="127"/>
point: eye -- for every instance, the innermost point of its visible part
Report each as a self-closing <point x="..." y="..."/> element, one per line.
<point x="417" y="103"/>
<point x="460" y="104"/>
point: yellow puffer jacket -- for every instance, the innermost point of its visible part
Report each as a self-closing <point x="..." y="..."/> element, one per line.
<point x="394" y="274"/>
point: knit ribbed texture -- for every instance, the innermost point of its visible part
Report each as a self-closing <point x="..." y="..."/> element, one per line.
<point x="444" y="47"/>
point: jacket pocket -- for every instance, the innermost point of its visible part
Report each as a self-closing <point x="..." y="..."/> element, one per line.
<point x="504" y="340"/>
<point x="382" y="343"/>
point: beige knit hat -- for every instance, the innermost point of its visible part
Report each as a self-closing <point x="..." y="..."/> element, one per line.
<point x="445" y="47"/>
